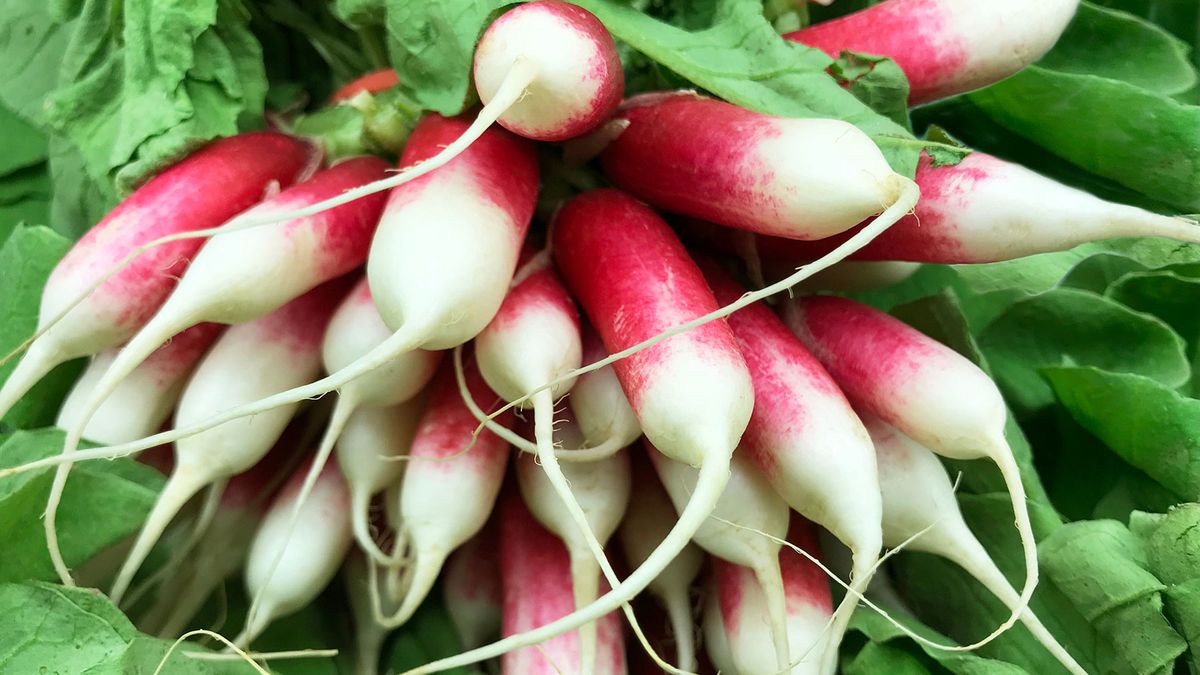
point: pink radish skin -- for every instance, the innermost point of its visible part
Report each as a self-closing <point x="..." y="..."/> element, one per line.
<point x="716" y="641"/>
<point x="744" y="609"/>
<point x="647" y="521"/>
<point x="927" y="390"/>
<point x="947" y="47"/>
<point x="535" y="574"/>
<point x="917" y="493"/>
<point x="807" y="441"/>
<point x="250" y="360"/>
<point x="305" y="564"/>
<point x="985" y="209"/>
<point x="747" y="508"/>
<point x="240" y="169"/>
<point x="600" y="490"/>
<point x="471" y="588"/>
<point x="141" y="403"/>
<point x="449" y="486"/>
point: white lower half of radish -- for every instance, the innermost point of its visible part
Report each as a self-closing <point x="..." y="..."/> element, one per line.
<point x="716" y="641"/>
<point x="471" y="589"/>
<point x="136" y="409"/>
<point x="747" y="623"/>
<point x="601" y="410"/>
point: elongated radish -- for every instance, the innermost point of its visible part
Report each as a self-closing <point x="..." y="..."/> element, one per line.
<point x="647" y="522"/>
<point x="598" y="403"/>
<point x="600" y="490"/>
<point x="374" y="81"/>
<point x="535" y="575"/>
<point x="746" y="618"/>
<point x="806" y="440"/>
<point x="922" y="387"/>
<point x="747" y="507"/>
<point x="985" y="209"/>
<point x="471" y="587"/>
<point x="248" y="361"/>
<point x="368" y="635"/>
<point x="240" y="169"/>
<point x="307" y="563"/>
<point x="917" y="493"/>
<point x="947" y="47"/>
<point x="139" y="405"/>
<point x="716" y="641"/>
<point x="449" y="486"/>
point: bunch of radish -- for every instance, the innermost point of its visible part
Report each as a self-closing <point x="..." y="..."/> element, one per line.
<point x="758" y="427"/>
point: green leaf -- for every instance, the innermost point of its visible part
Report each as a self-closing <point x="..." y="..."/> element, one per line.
<point x="1097" y="272"/>
<point x="879" y="83"/>
<point x="1150" y="426"/>
<point x="78" y="201"/>
<point x="26" y="260"/>
<point x="884" y="656"/>
<point x="1166" y="295"/>
<point x="140" y="89"/>
<point x="1101" y="566"/>
<point x="103" y="503"/>
<point x="1181" y="17"/>
<point x="1172" y="543"/>
<point x="24" y="145"/>
<point x="32" y="42"/>
<point x="24" y="198"/>
<point x="878" y="657"/>
<point x="1066" y="327"/>
<point x="428" y="636"/>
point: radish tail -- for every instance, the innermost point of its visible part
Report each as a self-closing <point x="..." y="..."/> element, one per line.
<point x="360" y="508"/>
<point x="679" y="613"/>
<point x="256" y="623"/>
<point x="860" y="577"/>
<point x="585" y="582"/>
<point x="179" y="489"/>
<point x="770" y="579"/>
<point x="714" y="475"/>
<point x="41" y="358"/>
<point x="426" y="566"/>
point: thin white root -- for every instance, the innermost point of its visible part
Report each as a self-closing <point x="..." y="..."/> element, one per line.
<point x="679" y="613"/>
<point x="770" y="580"/>
<point x="216" y="636"/>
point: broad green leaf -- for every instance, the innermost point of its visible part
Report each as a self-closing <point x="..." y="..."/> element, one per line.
<point x="884" y="636"/>
<point x="429" y="636"/>
<point x="26" y="260"/>
<point x="1172" y="543"/>
<point x="1097" y="272"/>
<point x="1101" y="566"/>
<point x="1146" y="423"/>
<point x="32" y="41"/>
<point x="103" y="503"/>
<point x="1181" y="17"/>
<point x="24" y="146"/>
<point x="1174" y="299"/>
<point x="879" y="657"/>
<point x="78" y="201"/>
<point x="1066" y="327"/>
<point x="24" y="198"/>
<point x="878" y="82"/>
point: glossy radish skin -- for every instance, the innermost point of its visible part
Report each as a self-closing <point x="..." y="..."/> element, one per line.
<point x="374" y="81"/>
<point x="917" y="493"/>
<point x="471" y="587"/>
<point x="306" y="564"/>
<point x="647" y="521"/>
<point x="792" y="178"/>
<point x="250" y="360"/>
<point x="535" y="575"/>
<point x="716" y="641"/>
<point x="598" y="403"/>
<point x="141" y="403"/>
<point x="985" y="209"/>
<point x="806" y="439"/>
<point x="947" y="47"/>
<point x="448" y="490"/>
<point x="577" y="80"/>
<point x="746" y="620"/>
<point x="241" y="169"/>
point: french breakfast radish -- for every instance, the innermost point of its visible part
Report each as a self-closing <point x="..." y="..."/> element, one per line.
<point x="374" y="81"/>
<point x="745" y="614"/>
<point x="647" y="522"/>
<point x="535" y="575"/>
<point x="947" y="47"/>
<point x="716" y="641"/>
<point x="917" y="493"/>
<point x="806" y="439"/>
<point x="922" y="387"/>
<point x="598" y="403"/>
<point x="747" y="508"/>
<point x="471" y="587"/>
<point x="141" y="403"/>
<point x="241" y="169"/>
<point x="248" y="361"/>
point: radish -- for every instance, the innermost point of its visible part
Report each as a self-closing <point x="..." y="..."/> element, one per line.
<point x="248" y="361"/>
<point x="536" y="578"/>
<point x="917" y="493"/>
<point x="372" y="82"/>
<point x="368" y="635"/>
<point x="924" y="388"/>
<point x="139" y="405"/>
<point x="747" y="507"/>
<point x="471" y="587"/>
<point x="947" y="47"/>
<point x="746" y="618"/>
<point x="600" y="492"/>
<point x="76" y="319"/>
<point x="449" y="486"/>
<point x="647" y="522"/>
<point x="716" y="642"/>
<point x="598" y="403"/>
<point x="289" y="572"/>
<point x="806" y="440"/>
<point x="979" y="211"/>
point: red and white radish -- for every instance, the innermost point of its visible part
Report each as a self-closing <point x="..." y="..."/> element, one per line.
<point x="599" y="405"/>
<point x="449" y="486"/>
<point x="141" y="403"/>
<point x="747" y="508"/>
<point x="248" y="361"/>
<point x="745" y="614"/>
<point x="84" y="313"/>
<point x="374" y="81"/>
<point x="947" y="47"/>
<point x="647" y="522"/>
<point x="289" y="572"/>
<point x="917" y="494"/>
<point x="716" y="642"/>
<point x="471" y="587"/>
<point x="535" y="575"/>
<point x="922" y="387"/>
<point x="806" y="439"/>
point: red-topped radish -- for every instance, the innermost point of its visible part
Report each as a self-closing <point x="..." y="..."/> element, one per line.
<point x="598" y="403"/>
<point x="374" y="81"/>
<point x="471" y="587"/>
